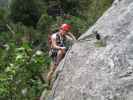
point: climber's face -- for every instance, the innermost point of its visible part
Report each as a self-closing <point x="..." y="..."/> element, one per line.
<point x="63" y="32"/>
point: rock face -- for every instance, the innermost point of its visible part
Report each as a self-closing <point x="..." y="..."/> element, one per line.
<point x="91" y="72"/>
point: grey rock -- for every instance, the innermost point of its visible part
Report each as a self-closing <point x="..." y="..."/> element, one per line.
<point x="89" y="72"/>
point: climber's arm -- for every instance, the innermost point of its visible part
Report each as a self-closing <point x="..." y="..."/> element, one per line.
<point x="70" y="36"/>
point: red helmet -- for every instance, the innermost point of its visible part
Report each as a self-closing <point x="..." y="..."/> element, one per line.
<point x="65" y="27"/>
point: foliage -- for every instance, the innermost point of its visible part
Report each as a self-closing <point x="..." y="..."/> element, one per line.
<point x="44" y="23"/>
<point x="20" y="72"/>
<point x="25" y="11"/>
<point x="2" y="14"/>
<point x="3" y="19"/>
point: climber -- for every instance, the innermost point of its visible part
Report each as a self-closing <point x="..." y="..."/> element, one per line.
<point x="58" y="49"/>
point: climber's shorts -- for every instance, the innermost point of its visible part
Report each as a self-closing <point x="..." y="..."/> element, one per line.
<point x="53" y="55"/>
